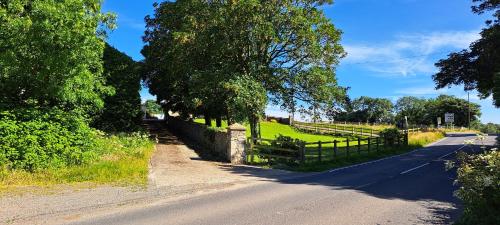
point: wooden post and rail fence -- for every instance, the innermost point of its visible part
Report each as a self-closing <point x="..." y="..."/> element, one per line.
<point x="345" y="129"/>
<point x="303" y="152"/>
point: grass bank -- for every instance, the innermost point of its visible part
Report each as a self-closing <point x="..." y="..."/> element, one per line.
<point x="122" y="160"/>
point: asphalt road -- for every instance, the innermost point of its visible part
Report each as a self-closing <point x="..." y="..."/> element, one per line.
<point x="413" y="188"/>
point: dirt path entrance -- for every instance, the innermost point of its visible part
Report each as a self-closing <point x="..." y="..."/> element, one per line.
<point x="176" y="164"/>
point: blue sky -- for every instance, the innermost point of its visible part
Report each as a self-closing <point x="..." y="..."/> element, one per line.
<point x="392" y="45"/>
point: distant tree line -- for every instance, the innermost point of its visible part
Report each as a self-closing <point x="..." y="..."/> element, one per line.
<point x="419" y="111"/>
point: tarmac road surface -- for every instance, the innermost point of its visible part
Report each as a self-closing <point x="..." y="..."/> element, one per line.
<point x="413" y="188"/>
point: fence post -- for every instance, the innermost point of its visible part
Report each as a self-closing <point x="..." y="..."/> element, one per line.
<point x="347" y="146"/>
<point x="334" y="149"/>
<point x="319" y="151"/>
<point x="361" y="132"/>
<point x="359" y="145"/>
<point x="335" y="129"/>
<point x="302" y="153"/>
<point x="251" y="153"/>
<point x="378" y="143"/>
<point x="405" y="138"/>
<point x="371" y="132"/>
<point x="369" y="140"/>
<point x="352" y="130"/>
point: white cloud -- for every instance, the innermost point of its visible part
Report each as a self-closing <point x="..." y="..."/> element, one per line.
<point x="408" y="54"/>
<point x="421" y="91"/>
<point x="126" y="21"/>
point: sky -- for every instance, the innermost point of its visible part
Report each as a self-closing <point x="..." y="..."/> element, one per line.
<point x="391" y="45"/>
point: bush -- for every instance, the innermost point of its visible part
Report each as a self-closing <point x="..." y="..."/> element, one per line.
<point x="33" y="139"/>
<point x="390" y="135"/>
<point x="479" y="177"/>
<point x="286" y="142"/>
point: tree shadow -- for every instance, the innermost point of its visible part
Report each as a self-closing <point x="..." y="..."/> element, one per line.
<point x="390" y="178"/>
<point x="399" y="177"/>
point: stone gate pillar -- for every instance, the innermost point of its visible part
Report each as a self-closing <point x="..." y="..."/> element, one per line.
<point x="236" y="147"/>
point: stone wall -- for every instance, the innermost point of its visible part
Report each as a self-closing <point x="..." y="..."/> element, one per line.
<point x="226" y="145"/>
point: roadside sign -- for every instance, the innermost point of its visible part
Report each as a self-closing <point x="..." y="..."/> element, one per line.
<point x="439" y="120"/>
<point x="449" y="118"/>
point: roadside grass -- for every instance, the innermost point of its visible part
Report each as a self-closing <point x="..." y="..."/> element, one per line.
<point x="123" y="161"/>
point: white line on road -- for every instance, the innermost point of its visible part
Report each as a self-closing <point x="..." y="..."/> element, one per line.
<point x="418" y="167"/>
<point x="390" y="157"/>
<point x="441" y="157"/>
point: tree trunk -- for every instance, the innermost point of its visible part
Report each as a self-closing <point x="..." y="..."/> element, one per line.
<point x="218" y="121"/>
<point x="208" y="120"/>
<point x="253" y="127"/>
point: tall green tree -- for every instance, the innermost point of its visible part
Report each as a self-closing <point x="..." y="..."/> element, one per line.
<point x="413" y="108"/>
<point x="51" y="53"/>
<point x="443" y="104"/>
<point x="287" y="48"/>
<point x="478" y="67"/>
<point x="122" y="111"/>
<point x="153" y="107"/>
<point x="373" y="110"/>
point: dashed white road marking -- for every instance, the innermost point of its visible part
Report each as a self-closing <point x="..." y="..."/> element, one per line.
<point x="394" y="156"/>
<point x="441" y="157"/>
<point x="415" y="168"/>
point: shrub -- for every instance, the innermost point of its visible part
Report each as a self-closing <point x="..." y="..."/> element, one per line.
<point x="479" y="177"/>
<point x="32" y="139"/>
<point x="390" y="135"/>
<point x="286" y="142"/>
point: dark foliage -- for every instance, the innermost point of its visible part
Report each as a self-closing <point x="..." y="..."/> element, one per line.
<point x="122" y="111"/>
<point x="478" y="67"/>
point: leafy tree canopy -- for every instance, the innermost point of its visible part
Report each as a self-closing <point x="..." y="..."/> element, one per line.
<point x="197" y="50"/>
<point x="426" y="111"/>
<point x="367" y="109"/>
<point x="122" y="111"/>
<point x="153" y="107"/>
<point x="478" y="67"/>
<point x="415" y="110"/>
<point x="51" y="52"/>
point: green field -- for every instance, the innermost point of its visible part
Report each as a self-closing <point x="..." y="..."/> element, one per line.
<point x="270" y="130"/>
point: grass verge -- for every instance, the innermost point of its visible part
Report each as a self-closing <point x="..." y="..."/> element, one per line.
<point x="123" y="160"/>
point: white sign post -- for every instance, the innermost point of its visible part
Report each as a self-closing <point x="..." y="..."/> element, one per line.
<point x="449" y="119"/>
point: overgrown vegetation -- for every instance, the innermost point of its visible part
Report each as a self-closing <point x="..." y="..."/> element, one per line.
<point x="54" y="83"/>
<point x="118" y="159"/>
<point x="33" y="139"/>
<point x="479" y="180"/>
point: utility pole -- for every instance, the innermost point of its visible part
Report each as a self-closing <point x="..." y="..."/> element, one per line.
<point x="468" y="108"/>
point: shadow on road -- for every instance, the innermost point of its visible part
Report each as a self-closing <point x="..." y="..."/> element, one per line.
<point x="431" y="185"/>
